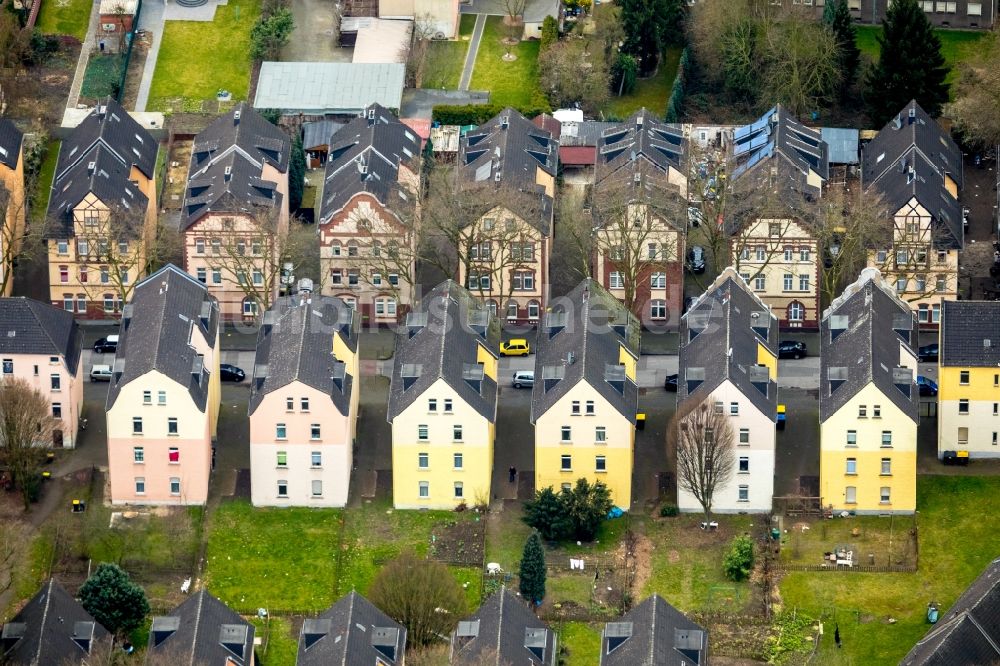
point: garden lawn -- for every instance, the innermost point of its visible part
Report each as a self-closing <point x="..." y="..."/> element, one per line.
<point x="956" y="544"/>
<point x="284" y="559"/>
<point x="652" y="93"/>
<point x="509" y="83"/>
<point x="281" y="647"/>
<point x="73" y="18"/>
<point x="102" y="75"/>
<point x="582" y="642"/>
<point x="43" y="188"/>
<point x="446" y="60"/>
<point x="888" y="539"/>
<point x="199" y="58"/>
<point x="466" y="24"/>
<point x="956" y="45"/>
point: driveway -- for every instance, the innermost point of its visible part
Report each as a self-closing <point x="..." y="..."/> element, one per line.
<point x="151" y="20"/>
<point x="420" y="103"/>
<point x="315" y="36"/>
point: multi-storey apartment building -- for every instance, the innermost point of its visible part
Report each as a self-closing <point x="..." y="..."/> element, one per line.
<point x="11" y="199"/>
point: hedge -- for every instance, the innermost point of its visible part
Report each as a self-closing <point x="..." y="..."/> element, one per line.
<point x="476" y="114"/>
<point x="676" y="102"/>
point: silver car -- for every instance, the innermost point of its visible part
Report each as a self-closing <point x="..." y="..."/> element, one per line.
<point x="523" y="379"/>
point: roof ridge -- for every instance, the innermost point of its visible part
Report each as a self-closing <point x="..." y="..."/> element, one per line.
<point x="350" y="623"/>
<point x="45" y="615"/>
<point x="500" y="622"/>
<point x="652" y="632"/>
<point x="29" y="302"/>
<point x="197" y="622"/>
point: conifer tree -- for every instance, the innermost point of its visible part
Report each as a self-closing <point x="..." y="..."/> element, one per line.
<point x="533" y="569"/>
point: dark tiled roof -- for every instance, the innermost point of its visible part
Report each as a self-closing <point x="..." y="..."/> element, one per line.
<point x="32" y="327"/>
<point x="53" y="629"/>
<point x="641" y="138"/>
<point x="728" y="321"/>
<point x="777" y="135"/>
<point x="351" y="632"/>
<point x="98" y="157"/>
<point x="875" y="329"/>
<point x="441" y="340"/>
<point x="594" y="326"/>
<point x="970" y="333"/>
<point x="10" y="143"/>
<point x="504" y="630"/>
<point x="654" y="633"/>
<point x="319" y="133"/>
<point x="913" y="140"/>
<point x="365" y="156"/>
<point x="203" y="630"/>
<point x="969" y="633"/>
<point x="295" y="343"/>
<point x="508" y="150"/>
<point x="227" y="162"/>
<point x="156" y="331"/>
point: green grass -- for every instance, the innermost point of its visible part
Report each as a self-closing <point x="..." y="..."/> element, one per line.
<point x="956" y="45"/>
<point x="582" y="642"/>
<point x="575" y="587"/>
<point x="43" y="188"/>
<point x="509" y="83"/>
<point x="466" y="25"/>
<point x="72" y="19"/>
<point x="444" y="64"/>
<point x="102" y="75"/>
<point x="273" y="558"/>
<point x="887" y="539"/>
<point x="198" y="58"/>
<point x="651" y="93"/>
<point x="282" y="646"/>
<point x="505" y="536"/>
<point x="955" y="545"/>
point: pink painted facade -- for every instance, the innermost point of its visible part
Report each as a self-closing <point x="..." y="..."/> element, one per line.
<point x="63" y="387"/>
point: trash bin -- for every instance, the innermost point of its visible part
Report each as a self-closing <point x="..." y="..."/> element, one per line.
<point x="780" y="422"/>
<point x="640" y="421"/>
<point x="949" y="457"/>
<point x="962" y="458"/>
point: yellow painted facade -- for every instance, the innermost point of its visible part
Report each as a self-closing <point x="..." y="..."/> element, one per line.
<point x="351" y="360"/>
<point x="767" y="358"/>
<point x="858" y="463"/>
<point x="12" y="180"/>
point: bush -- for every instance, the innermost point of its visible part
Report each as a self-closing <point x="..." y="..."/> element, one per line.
<point x="532" y="574"/>
<point x="668" y="511"/>
<point x="114" y="600"/>
<point x="739" y="560"/>
<point x="575" y="514"/>
<point x="477" y="114"/>
<point x="270" y="34"/>
<point x="550" y="33"/>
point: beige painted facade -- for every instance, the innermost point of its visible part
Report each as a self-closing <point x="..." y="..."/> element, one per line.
<point x="922" y="274"/>
<point x="439" y="17"/>
<point x="61" y="385"/>
<point x="779" y="259"/>
<point x="12" y="181"/>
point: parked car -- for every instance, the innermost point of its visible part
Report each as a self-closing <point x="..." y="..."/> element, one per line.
<point x="928" y="353"/>
<point x="695" y="216"/>
<point x="696" y="259"/>
<point x="515" y="347"/>
<point x="926" y="386"/>
<point x="670" y="383"/>
<point x="792" y="349"/>
<point x="100" y="373"/>
<point x="230" y="373"/>
<point x="523" y="379"/>
<point x="108" y="345"/>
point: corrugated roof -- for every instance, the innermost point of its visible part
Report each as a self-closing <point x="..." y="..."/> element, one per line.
<point x="844" y="145"/>
<point x="319" y="133"/>
<point x="329" y="87"/>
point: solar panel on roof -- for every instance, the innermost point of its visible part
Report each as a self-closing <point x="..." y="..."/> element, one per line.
<point x="762" y="123"/>
<point x="759" y="140"/>
<point x="741" y="132"/>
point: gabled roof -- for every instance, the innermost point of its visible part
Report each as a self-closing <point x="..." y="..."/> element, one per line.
<point x="641" y="138"/>
<point x="580" y="340"/>
<point x="864" y="333"/>
<point x="970" y="334"/>
<point x="52" y="628"/>
<point x="203" y="630"/>
<point x="351" y="632"/>
<point x="31" y="327"/>
<point x="10" y="143"/>
<point x="156" y="331"/>
<point x="295" y="343"/>
<point x="365" y="156"/>
<point x="98" y="157"/>
<point x="909" y="159"/>
<point x="441" y="340"/>
<point x="719" y="337"/>
<point x="508" y="150"/>
<point x="654" y="633"/>
<point x="969" y="633"/>
<point x="227" y="162"/>
<point x="505" y="631"/>
<point x="777" y="139"/>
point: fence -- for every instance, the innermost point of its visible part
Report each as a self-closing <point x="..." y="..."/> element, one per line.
<point x="857" y="568"/>
<point x="127" y="56"/>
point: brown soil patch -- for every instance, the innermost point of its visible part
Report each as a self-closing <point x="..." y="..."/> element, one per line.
<point x="674" y="557"/>
<point x="459" y="542"/>
<point x="643" y="564"/>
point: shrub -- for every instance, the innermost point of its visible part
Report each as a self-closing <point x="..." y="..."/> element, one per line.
<point x="576" y="513"/>
<point x="477" y="114"/>
<point x="739" y="559"/>
<point x="532" y="574"/>
<point x="668" y="511"/>
<point x="114" y="600"/>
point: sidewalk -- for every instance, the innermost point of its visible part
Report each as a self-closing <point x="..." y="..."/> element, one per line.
<point x="81" y="64"/>
<point x="470" y="56"/>
<point x="152" y="21"/>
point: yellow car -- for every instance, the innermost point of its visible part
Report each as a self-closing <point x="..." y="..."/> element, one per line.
<point x="515" y="347"/>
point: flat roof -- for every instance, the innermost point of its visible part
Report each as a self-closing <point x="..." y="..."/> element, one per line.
<point x="329" y="87"/>
<point x="383" y="41"/>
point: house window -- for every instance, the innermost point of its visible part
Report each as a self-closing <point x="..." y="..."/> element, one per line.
<point x="744" y="435"/>
<point x="8" y="366"/>
<point x="803" y="254"/>
<point x="760" y="253"/>
<point x="317" y="488"/>
<point x="877" y="411"/>
<point x="760" y="282"/>
<point x="258" y="278"/>
<point x="719" y="407"/>
<point x="566" y="433"/>
<point x="280" y="431"/>
<point x="744" y="494"/>
<point x="617" y="280"/>
<point x="140" y="485"/>
<point x="936" y="313"/>
<point x="84" y="274"/>
<point x="314" y="431"/>
<point x="658" y="309"/>
<point x="147" y="397"/>
<point x="337" y="276"/>
<point x="432" y="404"/>
<point x="422" y="433"/>
<point x="394" y="279"/>
<point x="774" y="229"/>
<point x="424" y="489"/>
<point x="796" y="311"/>
<point x="282" y="458"/>
<point x="136" y="425"/>
<point x="658" y="281"/>
<point x="64" y="273"/>
<point x="304" y="403"/>
<point x="423" y="460"/>
<point x="456" y="432"/>
<point x="734" y="409"/>
<point x="862" y="411"/>
<point x="590" y="407"/>
<point x="353" y="277"/>
<point x="533" y="309"/>
<point x="457" y="461"/>
<point x="886" y="466"/>
<point x="575" y="407"/>
<point x="963" y="436"/>
<point x="199" y="245"/>
<point x="316" y="458"/>
<point x="172" y="426"/>
<point x="249" y="307"/>
<point x="377" y="279"/>
<point x="901" y="285"/>
<point x="963" y="406"/>
<point x="788" y="281"/>
<point x="600" y="464"/>
<point x="566" y="463"/>
<point x="459" y="490"/>
<point x="352" y="248"/>
<point x="175" y="485"/>
<point x="282" y="488"/>
<point x="216" y="276"/>
<point x="81" y="303"/>
<point x="803" y="282"/>
<point x="335" y="249"/>
<point x="57" y="410"/>
<point x="600" y="435"/>
<point x="651" y="251"/>
<point x="963" y="377"/>
<point x="216" y="246"/>
<point x="852" y="466"/>
<point x="886" y="438"/>
<point x="923" y="313"/>
<point x="884" y="495"/>
<point x="105" y="275"/>
<point x="173" y="455"/>
<point x="850" y="495"/>
<point x="68" y="302"/>
<point x="62" y="246"/>
<point x="512" y="309"/>
<point x="524" y="281"/>
<point x="788" y="252"/>
<point x="138" y="454"/>
<point x="744" y="463"/>
<point x="852" y="438"/>
<point x="203" y="275"/>
<point x="447" y="405"/>
<point x="974" y="9"/>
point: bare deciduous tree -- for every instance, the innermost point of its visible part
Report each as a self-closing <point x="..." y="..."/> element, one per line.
<point x="977" y="92"/>
<point x="13" y="539"/>
<point x="569" y="74"/>
<point x="703" y="439"/>
<point x="26" y="427"/>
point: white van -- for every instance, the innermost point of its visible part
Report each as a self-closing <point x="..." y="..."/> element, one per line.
<point x="100" y="373"/>
<point x="523" y="379"/>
